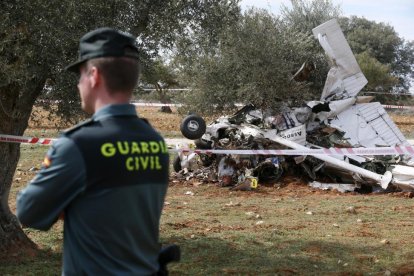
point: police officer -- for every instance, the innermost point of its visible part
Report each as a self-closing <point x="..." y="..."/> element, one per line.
<point x="107" y="176"/>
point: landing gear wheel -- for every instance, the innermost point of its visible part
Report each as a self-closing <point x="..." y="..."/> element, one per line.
<point x="193" y="127"/>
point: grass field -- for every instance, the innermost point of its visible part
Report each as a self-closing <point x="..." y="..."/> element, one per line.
<point x="286" y="230"/>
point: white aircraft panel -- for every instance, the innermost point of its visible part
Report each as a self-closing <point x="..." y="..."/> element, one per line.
<point x="369" y="125"/>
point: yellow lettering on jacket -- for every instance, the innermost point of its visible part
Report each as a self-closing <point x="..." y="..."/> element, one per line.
<point x="123" y="147"/>
<point x="154" y="146"/>
<point x="135" y="148"/>
<point x="139" y="155"/>
<point x="144" y="147"/>
<point x="143" y="163"/>
<point x="157" y="163"/>
<point x="108" y="150"/>
<point x="129" y="164"/>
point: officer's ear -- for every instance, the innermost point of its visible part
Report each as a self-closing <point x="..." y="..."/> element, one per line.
<point x="95" y="76"/>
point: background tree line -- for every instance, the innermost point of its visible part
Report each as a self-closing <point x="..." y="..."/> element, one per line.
<point x="225" y="56"/>
<point x="257" y="55"/>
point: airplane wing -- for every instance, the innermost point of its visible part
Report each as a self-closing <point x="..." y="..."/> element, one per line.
<point x="345" y="78"/>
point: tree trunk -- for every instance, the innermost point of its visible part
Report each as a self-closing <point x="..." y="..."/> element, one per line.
<point x="15" y="110"/>
<point x="166" y="109"/>
<point x="163" y="99"/>
<point x="12" y="236"/>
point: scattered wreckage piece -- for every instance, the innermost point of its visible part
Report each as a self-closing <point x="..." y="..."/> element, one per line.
<point x="383" y="180"/>
<point x="334" y="186"/>
<point x="403" y="177"/>
<point x="232" y="169"/>
<point x="375" y="127"/>
<point x="339" y="119"/>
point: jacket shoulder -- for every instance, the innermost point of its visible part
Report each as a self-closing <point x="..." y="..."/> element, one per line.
<point x="145" y="120"/>
<point x="78" y="126"/>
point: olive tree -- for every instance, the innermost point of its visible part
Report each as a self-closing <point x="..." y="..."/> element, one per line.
<point x="378" y="75"/>
<point x="302" y="16"/>
<point x="381" y="42"/>
<point x="305" y="15"/>
<point x="254" y="60"/>
<point x="160" y="77"/>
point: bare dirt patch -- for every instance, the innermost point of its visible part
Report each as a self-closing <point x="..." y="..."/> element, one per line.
<point x="163" y="122"/>
<point x="405" y="123"/>
<point x="166" y="123"/>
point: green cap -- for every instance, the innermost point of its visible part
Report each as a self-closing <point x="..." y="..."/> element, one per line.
<point x="104" y="42"/>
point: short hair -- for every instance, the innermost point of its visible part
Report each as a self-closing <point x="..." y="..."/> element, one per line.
<point x="120" y="73"/>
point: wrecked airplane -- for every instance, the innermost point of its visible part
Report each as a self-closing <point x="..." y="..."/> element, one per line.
<point x="340" y="119"/>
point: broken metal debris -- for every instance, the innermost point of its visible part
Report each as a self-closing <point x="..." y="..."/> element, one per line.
<point x="333" y="186"/>
<point x="340" y="119"/>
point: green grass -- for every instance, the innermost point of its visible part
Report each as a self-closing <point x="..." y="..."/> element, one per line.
<point x="42" y="133"/>
<point x="265" y="232"/>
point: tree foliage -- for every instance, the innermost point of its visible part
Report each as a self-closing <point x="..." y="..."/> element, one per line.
<point x="381" y="42"/>
<point x="160" y="76"/>
<point x="252" y="63"/>
<point x="378" y="39"/>
<point x="305" y="15"/>
<point x="377" y="74"/>
<point x="254" y="59"/>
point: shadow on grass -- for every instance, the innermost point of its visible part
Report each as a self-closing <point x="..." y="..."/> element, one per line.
<point x="243" y="255"/>
<point x="215" y="256"/>
<point x="39" y="262"/>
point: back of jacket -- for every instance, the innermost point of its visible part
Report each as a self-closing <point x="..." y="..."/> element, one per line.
<point x="112" y="226"/>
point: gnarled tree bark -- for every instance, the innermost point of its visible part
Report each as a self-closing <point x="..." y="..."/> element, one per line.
<point x="15" y="110"/>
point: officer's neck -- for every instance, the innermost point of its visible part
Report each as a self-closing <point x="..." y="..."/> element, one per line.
<point x="112" y="98"/>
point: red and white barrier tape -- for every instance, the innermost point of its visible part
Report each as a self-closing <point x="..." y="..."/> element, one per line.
<point x="156" y="104"/>
<point x="178" y="105"/>
<point x="397" y="107"/>
<point x="25" y="140"/>
<point x="408" y="150"/>
<point x="164" y="104"/>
